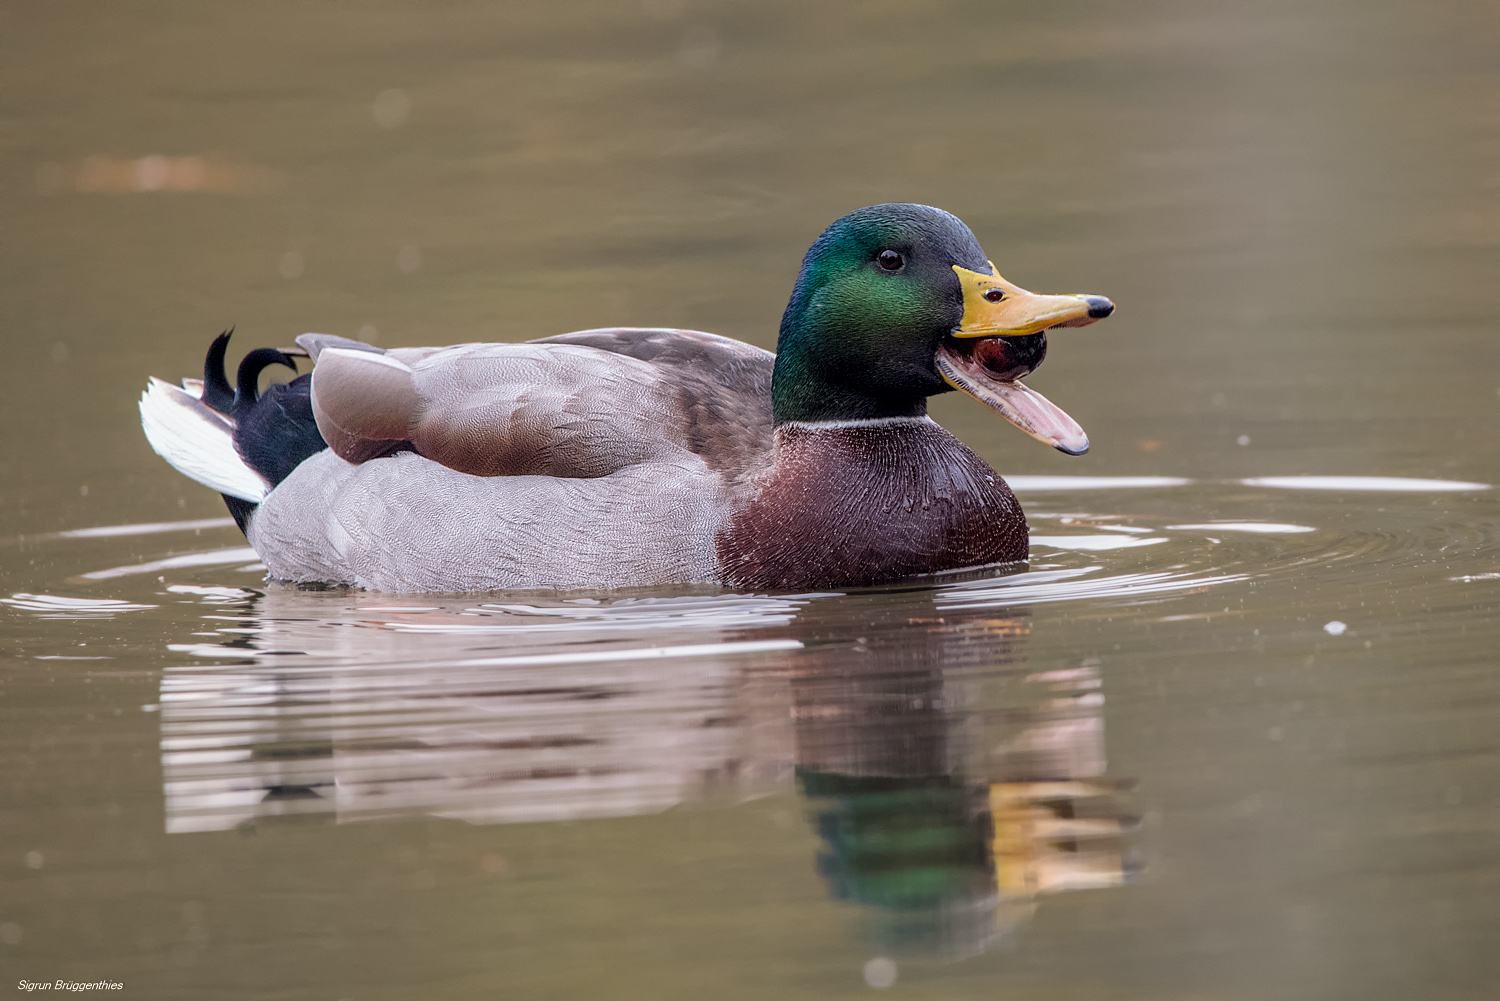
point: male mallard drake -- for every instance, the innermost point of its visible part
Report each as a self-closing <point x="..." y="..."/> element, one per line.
<point x="618" y="457"/>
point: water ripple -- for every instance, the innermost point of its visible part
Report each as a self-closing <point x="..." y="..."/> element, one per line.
<point x="52" y="606"/>
<point x="1399" y="484"/>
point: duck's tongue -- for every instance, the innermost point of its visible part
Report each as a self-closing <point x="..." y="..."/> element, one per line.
<point x="1010" y="398"/>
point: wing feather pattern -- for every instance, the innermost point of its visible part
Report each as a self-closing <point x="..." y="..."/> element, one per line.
<point x="582" y="405"/>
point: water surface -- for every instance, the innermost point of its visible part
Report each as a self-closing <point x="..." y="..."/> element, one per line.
<point x="1231" y="734"/>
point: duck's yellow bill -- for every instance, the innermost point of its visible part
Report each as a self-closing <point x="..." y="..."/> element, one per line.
<point x="993" y="308"/>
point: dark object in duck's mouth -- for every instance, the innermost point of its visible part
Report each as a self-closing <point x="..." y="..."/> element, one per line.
<point x="990" y="369"/>
<point x="1004" y="358"/>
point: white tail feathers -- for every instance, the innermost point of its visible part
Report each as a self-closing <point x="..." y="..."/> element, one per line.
<point x="197" y="441"/>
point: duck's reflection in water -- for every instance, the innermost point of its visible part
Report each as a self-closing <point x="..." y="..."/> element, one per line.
<point x="949" y="783"/>
<point x="360" y="710"/>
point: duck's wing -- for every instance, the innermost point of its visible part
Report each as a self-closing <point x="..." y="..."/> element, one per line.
<point x="722" y="387"/>
<point x="581" y="405"/>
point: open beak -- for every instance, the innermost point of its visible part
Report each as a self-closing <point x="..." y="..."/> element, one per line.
<point x="972" y="361"/>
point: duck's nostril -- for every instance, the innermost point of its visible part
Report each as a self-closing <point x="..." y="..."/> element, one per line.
<point x="1099" y="307"/>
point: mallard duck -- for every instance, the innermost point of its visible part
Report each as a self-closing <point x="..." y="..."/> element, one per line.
<point x="620" y="457"/>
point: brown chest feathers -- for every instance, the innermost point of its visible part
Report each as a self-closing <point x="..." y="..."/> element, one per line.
<point x="849" y="505"/>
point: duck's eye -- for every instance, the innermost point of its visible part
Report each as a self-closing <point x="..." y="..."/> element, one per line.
<point x="890" y="260"/>
<point x="994" y="294"/>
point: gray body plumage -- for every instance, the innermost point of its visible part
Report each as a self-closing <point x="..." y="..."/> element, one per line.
<point x="575" y="462"/>
<point x="406" y="523"/>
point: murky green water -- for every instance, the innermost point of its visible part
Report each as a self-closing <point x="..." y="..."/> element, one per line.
<point x="1235" y="733"/>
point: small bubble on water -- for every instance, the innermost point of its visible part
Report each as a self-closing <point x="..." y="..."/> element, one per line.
<point x="35" y="860"/>
<point x="880" y="972"/>
<point x="409" y="259"/>
<point x="1335" y="628"/>
<point x="1243" y="439"/>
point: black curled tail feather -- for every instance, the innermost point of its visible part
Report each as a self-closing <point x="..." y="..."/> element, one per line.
<point x="275" y="430"/>
<point x="231" y="400"/>
<point x="218" y="394"/>
<point x="247" y="380"/>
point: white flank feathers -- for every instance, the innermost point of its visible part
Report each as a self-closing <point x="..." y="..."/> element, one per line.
<point x="197" y="442"/>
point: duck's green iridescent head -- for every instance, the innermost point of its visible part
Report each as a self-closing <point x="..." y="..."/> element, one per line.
<point x="898" y="302"/>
